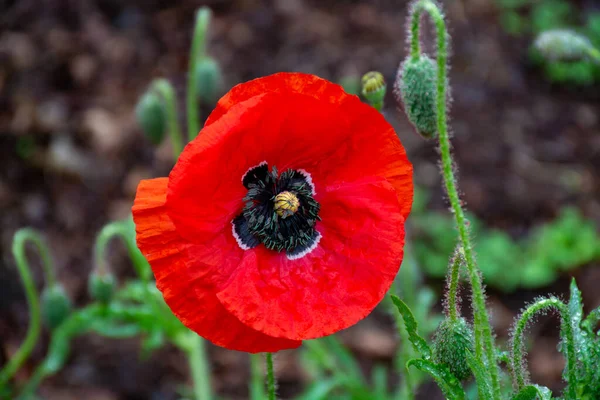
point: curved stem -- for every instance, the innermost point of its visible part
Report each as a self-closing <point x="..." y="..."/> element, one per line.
<point x="270" y="377"/>
<point x="199" y="367"/>
<point x="119" y="229"/>
<point x="197" y="53"/>
<point x="484" y="341"/>
<point x="166" y="91"/>
<point x="518" y="365"/>
<point x="33" y="331"/>
<point x="452" y="282"/>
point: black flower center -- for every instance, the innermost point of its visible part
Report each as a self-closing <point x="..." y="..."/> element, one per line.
<point x="279" y="211"/>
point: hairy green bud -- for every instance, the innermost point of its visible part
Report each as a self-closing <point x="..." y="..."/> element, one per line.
<point x="415" y="90"/>
<point x="451" y="342"/>
<point x="374" y="89"/>
<point x="209" y="80"/>
<point x="151" y="116"/>
<point x="102" y="287"/>
<point x="562" y="45"/>
<point x="56" y="306"/>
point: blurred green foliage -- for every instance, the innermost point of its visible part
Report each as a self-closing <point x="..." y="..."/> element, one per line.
<point x="530" y="18"/>
<point x="568" y="242"/>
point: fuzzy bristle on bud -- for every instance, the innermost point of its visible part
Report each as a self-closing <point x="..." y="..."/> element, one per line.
<point x="562" y="45"/>
<point x="209" y="80"/>
<point x="56" y="306"/>
<point x="415" y="91"/>
<point x="374" y="89"/>
<point x="451" y="342"/>
<point x="151" y="117"/>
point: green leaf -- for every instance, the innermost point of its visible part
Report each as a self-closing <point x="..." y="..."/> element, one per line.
<point x="533" y="392"/>
<point x="447" y="382"/>
<point x="320" y="390"/>
<point x="419" y="344"/>
<point x="582" y="340"/>
<point x="482" y="378"/>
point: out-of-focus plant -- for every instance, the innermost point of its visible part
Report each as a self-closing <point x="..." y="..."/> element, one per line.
<point x="554" y="23"/>
<point x="568" y="242"/>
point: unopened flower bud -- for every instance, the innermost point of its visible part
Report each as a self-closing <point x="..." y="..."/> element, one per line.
<point x="562" y="45"/>
<point x="451" y="342"/>
<point x="374" y="89"/>
<point x="56" y="305"/>
<point x="151" y="116"/>
<point x="102" y="286"/>
<point x="415" y="90"/>
<point x="209" y="80"/>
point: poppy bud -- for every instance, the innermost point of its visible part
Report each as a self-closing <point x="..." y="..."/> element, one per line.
<point x="415" y="90"/>
<point x="102" y="286"/>
<point x="56" y="305"/>
<point x="151" y="117"/>
<point x="209" y="80"/>
<point x="451" y="342"/>
<point x="374" y="89"/>
<point x="562" y="45"/>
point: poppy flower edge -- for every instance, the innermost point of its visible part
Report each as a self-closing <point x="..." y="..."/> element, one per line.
<point x="286" y="215"/>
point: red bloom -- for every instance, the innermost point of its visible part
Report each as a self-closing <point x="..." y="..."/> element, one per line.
<point x="283" y="220"/>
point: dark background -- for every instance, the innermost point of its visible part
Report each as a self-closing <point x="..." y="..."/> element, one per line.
<point x="71" y="154"/>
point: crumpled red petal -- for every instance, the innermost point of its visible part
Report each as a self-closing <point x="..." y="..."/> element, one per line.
<point x="337" y="284"/>
<point x="371" y="142"/>
<point x="187" y="274"/>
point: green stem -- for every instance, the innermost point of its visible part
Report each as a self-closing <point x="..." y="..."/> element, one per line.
<point x="257" y="387"/>
<point x="197" y="53"/>
<point x="33" y="331"/>
<point x="453" y="281"/>
<point x="166" y="91"/>
<point x="199" y="367"/>
<point x="518" y="364"/>
<point x="119" y="229"/>
<point x="270" y="377"/>
<point x="484" y="341"/>
<point x="594" y="53"/>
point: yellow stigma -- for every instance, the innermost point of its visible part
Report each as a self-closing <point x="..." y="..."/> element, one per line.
<point x="286" y="204"/>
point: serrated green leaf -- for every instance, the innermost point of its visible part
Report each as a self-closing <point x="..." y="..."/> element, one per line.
<point x="582" y="339"/>
<point x="482" y="377"/>
<point x="447" y="382"/>
<point x="419" y="344"/>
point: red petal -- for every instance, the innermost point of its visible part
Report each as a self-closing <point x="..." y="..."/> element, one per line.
<point x="336" y="285"/>
<point x="362" y="142"/>
<point x="187" y="274"/>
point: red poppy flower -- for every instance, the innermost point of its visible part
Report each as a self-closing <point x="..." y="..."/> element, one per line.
<point x="283" y="220"/>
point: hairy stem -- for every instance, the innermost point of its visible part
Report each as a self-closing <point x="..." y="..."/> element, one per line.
<point x="518" y="364"/>
<point x="166" y="91"/>
<point x="197" y="53"/>
<point x="270" y="377"/>
<point x="484" y="342"/>
<point x="199" y="367"/>
<point x="453" y="282"/>
<point x="33" y="331"/>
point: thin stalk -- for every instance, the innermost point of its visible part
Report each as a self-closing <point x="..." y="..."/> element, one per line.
<point x="270" y="377"/>
<point x="257" y="387"/>
<point x="453" y="282"/>
<point x="484" y="341"/>
<point x="33" y="331"/>
<point x="199" y="368"/>
<point x="518" y="365"/>
<point x="198" y="52"/>
<point x="110" y="231"/>
<point x="594" y="54"/>
<point x="166" y="91"/>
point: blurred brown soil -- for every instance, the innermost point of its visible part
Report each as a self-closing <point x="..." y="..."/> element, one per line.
<point x="71" y="154"/>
